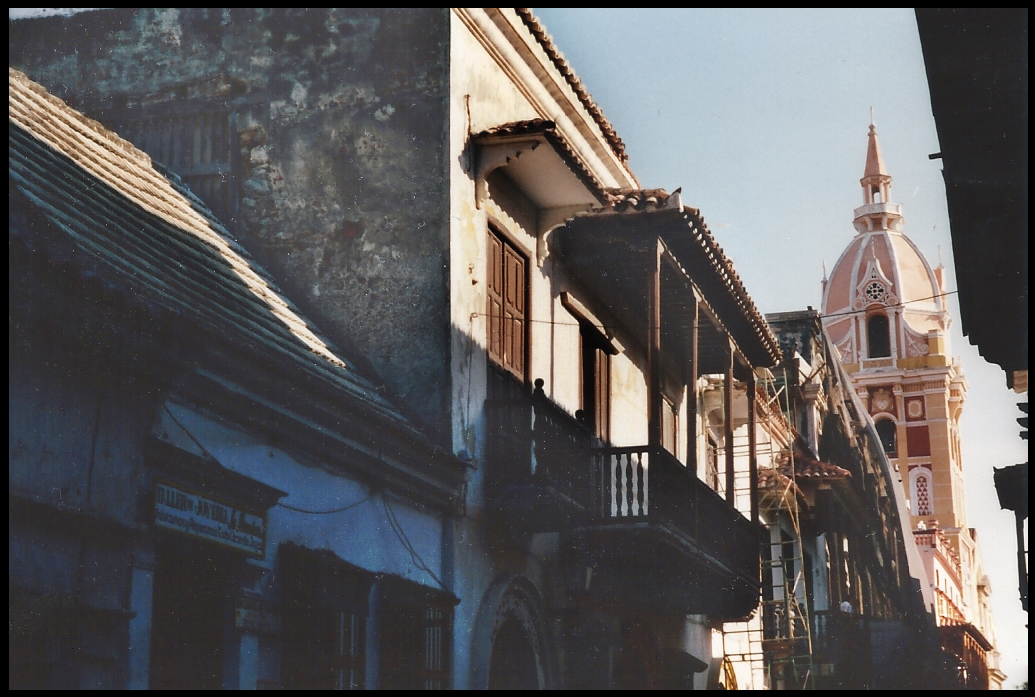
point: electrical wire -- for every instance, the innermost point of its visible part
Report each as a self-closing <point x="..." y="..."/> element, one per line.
<point x="189" y="434"/>
<point x="396" y="526"/>
<point x="844" y="313"/>
<point x="333" y="510"/>
<point x="281" y="505"/>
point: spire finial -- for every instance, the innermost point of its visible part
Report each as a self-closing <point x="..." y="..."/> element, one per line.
<point x="874" y="159"/>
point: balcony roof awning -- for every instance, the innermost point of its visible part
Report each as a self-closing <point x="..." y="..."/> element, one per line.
<point x="537" y="158"/>
<point x="614" y="250"/>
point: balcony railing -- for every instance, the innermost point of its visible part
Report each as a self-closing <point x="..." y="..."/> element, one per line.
<point x="540" y="463"/>
<point x="648" y="485"/>
<point x="641" y="518"/>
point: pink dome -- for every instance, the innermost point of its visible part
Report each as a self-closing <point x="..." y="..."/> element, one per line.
<point x="882" y="271"/>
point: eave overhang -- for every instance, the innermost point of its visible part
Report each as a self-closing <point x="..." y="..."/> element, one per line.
<point x="541" y="163"/>
<point x="613" y="250"/>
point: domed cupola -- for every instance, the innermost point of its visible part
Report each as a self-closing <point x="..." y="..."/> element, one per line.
<point x="882" y="299"/>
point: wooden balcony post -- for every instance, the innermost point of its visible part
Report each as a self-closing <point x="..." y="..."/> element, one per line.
<point x="654" y="402"/>
<point x="752" y="447"/>
<point x="728" y="427"/>
<point x="691" y="387"/>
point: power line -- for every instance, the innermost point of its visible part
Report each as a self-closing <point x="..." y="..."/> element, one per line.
<point x="843" y="313"/>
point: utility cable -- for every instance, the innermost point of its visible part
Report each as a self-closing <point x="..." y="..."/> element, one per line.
<point x="281" y="505"/>
<point x="396" y="526"/>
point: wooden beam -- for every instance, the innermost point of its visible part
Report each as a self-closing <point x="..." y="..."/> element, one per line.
<point x="691" y="386"/>
<point x="654" y="401"/>
<point x="727" y="426"/>
<point x="752" y="447"/>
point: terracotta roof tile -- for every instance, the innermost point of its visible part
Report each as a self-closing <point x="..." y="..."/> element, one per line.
<point x="807" y="467"/>
<point x="539" y="32"/>
<point x="548" y="129"/>
<point x="720" y="266"/>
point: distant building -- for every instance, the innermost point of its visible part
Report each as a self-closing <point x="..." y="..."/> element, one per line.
<point x="884" y="310"/>
<point x="843" y="604"/>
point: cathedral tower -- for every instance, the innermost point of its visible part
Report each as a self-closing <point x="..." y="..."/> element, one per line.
<point x="884" y="308"/>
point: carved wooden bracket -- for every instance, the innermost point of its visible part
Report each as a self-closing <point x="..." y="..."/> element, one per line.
<point x="493" y="156"/>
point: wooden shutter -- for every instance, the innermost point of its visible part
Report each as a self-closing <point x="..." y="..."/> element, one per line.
<point x="514" y="312"/>
<point x="495" y="292"/>
<point x="596" y="382"/>
<point x="505" y="308"/>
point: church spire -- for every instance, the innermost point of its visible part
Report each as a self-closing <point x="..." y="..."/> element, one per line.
<point x="877" y="211"/>
<point x="876" y="182"/>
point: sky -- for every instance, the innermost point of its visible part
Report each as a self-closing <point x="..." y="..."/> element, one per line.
<point x="761" y="116"/>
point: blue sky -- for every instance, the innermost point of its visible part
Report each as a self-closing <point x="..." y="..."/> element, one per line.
<point x="761" y="117"/>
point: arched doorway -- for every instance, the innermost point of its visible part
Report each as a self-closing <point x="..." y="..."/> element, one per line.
<point x="513" y="662"/>
<point x="512" y="654"/>
<point x="638" y="660"/>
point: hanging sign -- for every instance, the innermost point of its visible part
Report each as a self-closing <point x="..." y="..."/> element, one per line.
<point x="222" y="523"/>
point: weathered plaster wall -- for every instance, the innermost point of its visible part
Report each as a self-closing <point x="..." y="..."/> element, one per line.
<point x="341" y="120"/>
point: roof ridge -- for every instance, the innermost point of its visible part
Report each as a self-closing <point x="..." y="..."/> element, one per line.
<point x="560" y="62"/>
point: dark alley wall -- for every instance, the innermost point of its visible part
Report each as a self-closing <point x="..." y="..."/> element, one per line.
<point x="335" y="166"/>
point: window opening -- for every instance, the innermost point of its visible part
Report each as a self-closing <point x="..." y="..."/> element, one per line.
<point x="325" y="612"/>
<point x="878" y="336"/>
<point x="195" y="142"/>
<point x="887" y="432"/>
<point x="417" y="624"/>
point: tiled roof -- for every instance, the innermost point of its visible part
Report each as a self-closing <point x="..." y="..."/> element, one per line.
<point x="150" y="233"/>
<point x="720" y="266"/>
<point x="625" y="200"/>
<point x="807" y="467"/>
<point x="548" y="129"/>
<point x="539" y="32"/>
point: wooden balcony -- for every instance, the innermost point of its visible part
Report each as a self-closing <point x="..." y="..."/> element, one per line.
<point x="539" y="460"/>
<point x="647" y="528"/>
<point x="656" y="528"/>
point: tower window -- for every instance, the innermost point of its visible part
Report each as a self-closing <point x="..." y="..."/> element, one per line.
<point x="878" y="336"/>
<point x="886" y="431"/>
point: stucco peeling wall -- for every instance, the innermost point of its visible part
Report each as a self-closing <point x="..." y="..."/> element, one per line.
<point x="341" y="120"/>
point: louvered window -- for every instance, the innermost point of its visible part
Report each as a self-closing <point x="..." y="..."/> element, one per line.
<point x="325" y="613"/>
<point x="507" y="295"/>
<point x="416" y="630"/>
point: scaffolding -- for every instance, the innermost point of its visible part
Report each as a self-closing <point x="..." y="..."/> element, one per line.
<point x="773" y="648"/>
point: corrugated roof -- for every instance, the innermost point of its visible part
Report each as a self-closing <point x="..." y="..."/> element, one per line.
<point x="539" y="32"/>
<point x="153" y="234"/>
